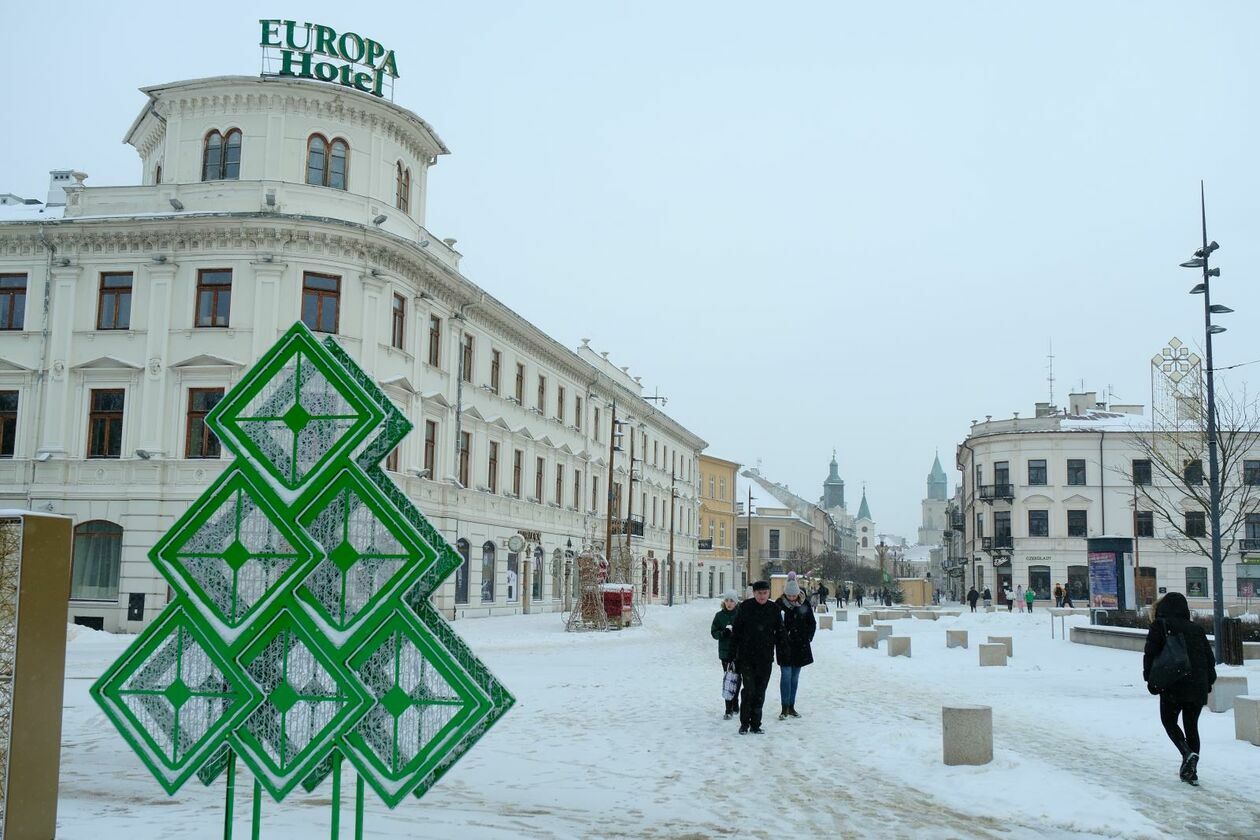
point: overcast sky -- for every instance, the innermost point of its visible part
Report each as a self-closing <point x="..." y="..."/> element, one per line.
<point x="818" y="225"/>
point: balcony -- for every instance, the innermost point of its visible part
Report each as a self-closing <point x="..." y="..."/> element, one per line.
<point x="1001" y="549"/>
<point x="993" y="492"/>
<point x="632" y="526"/>
<point x="771" y="554"/>
<point x="956" y="521"/>
<point x="1249" y="546"/>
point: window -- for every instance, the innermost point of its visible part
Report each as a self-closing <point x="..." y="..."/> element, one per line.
<point x="321" y="301"/>
<point x="1001" y="472"/>
<point x="513" y="577"/>
<point x="1038" y="523"/>
<point x="559" y="484"/>
<point x="327" y="162"/>
<point x="518" y="462"/>
<point x="712" y="486"/>
<point x="538" y="479"/>
<point x="105" y="419"/>
<point x="1144" y="524"/>
<point x="594" y="492"/>
<point x="542" y="393"/>
<point x="1078" y="523"/>
<point x="1039" y="582"/>
<point x="1196" y="523"/>
<point x="1037" y="472"/>
<point x="1076" y="472"/>
<point x="722" y="533"/>
<point x="435" y="340"/>
<point x="466" y="358"/>
<point x="398" y="322"/>
<point x="492" y="468"/>
<point x="402" y="187"/>
<point x="1251" y="473"/>
<point x="465" y="451"/>
<point x="979" y="476"/>
<point x="392" y="459"/>
<point x="520" y="384"/>
<point x="979" y="525"/>
<point x="8" y="422"/>
<point x="12" y="301"/>
<point x="577" y="489"/>
<point x="1002" y="528"/>
<point x="430" y="447"/>
<point x="113" y="309"/>
<point x="1141" y="471"/>
<point x="214" y="297"/>
<point x="496" y="359"/>
<point x="577" y="413"/>
<point x="1194" y="472"/>
<point x="220" y="157"/>
<point x="722" y="488"/>
<point x="462" y="572"/>
<point x="97" y="556"/>
<point x="596" y="427"/>
<point x="1196" y="582"/>
<point x="199" y="441"/>
<point x="560" y="403"/>
<point x="712" y="529"/>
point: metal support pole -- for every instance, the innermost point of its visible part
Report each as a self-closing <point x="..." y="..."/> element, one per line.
<point x="1214" y="476"/>
<point x="673" y="569"/>
<point x="256" y="822"/>
<point x="612" y="449"/>
<point x="358" y="808"/>
<point x="336" y="796"/>
<point x="229" y="796"/>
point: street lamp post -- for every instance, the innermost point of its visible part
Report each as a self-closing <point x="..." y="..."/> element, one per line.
<point x="1200" y="260"/>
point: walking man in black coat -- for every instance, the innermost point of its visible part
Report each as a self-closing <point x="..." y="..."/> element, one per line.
<point x="757" y="627"/>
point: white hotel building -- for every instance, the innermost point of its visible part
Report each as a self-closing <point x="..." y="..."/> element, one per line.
<point x="1035" y="488"/>
<point x="126" y="311"/>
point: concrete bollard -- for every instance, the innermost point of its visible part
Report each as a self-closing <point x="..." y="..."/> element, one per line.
<point x="841" y="615"/>
<point x="867" y="638"/>
<point x="955" y="638"/>
<point x="990" y="609"/>
<point x="992" y="654"/>
<point x="1003" y="640"/>
<point x="899" y="646"/>
<point x="923" y="615"/>
<point x="967" y="734"/>
<point x="824" y="622"/>
<point x="1247" y="718"/>
<point x="883" y="631"/>
<point x="1251" y="650"/>
<point x="865" y="619"/>
<point x="1221" y="697"/>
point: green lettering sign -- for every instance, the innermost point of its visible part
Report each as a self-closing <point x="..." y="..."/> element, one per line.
<point x="298" y="44"/>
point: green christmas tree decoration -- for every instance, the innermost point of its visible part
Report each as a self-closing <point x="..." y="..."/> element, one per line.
<point x="301" y="628"/>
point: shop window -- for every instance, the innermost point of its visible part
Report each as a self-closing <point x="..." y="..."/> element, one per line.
<point x="487" y="572"/>
<point x="1039" y="582"/>
<point x="513" y="577"/>
<point x="1196" y="582"/>
<point x="462" y="571"/>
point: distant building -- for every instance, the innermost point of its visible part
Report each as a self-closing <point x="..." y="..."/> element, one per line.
<point x="933" y="524"/>
<point x="717" y="564"/>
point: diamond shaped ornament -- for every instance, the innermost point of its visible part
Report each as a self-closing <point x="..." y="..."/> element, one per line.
<point x="296" y="412"/>
<point x="174" y="697"/>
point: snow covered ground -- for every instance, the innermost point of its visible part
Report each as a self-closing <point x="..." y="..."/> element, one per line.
<point x="621" y="735"/>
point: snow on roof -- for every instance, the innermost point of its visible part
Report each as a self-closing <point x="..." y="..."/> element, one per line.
<point x="29" y="212"/>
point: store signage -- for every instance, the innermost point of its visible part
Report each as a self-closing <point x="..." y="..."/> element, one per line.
<point x="531" y="536"/>
<point x="358" y="62"/>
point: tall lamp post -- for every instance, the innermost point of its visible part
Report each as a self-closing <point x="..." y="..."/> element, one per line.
<point x="1200" y="260"/>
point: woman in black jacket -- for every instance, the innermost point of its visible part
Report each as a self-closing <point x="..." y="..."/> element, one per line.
<point x="1188" y="695"/>
<point x="793" y="648"/>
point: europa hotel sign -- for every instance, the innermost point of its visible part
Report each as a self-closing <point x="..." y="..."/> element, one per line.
<point x="358" y="62"/>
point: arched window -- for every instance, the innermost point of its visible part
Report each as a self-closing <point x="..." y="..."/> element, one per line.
<point x="556" y="582"/>
<point x="864" y="542"/>
<point x="97" y="555"/>
<point x="536" y="575"/>
<point x="327" y="162"/>
<point x="402" y="187"/>
<point x="487" y="572"/>
<point x="221" y="157"/>
<point x="461" y="574"/>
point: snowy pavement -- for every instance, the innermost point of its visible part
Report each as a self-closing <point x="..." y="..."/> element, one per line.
<point x="620" y="735"/>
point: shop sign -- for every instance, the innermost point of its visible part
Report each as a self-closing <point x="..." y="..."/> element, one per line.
<point x="530" y="536"/>
<point x="358" y="62"/>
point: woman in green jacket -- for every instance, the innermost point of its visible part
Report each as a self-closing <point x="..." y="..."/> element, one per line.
<point x="721" y="630"/>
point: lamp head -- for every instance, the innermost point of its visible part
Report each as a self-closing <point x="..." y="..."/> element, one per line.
<point x="176" y="204"/>
<point x="380" y="220"/>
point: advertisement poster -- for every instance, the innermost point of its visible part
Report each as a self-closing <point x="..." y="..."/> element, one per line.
<point x="1102" y="580"/>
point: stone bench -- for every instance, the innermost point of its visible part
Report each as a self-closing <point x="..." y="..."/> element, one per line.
<point x="825" y="622"/>
<point x="1247" y="718"/>
<point x="1003" y="640"/>
<point x="1120" y="638"/>
<point x="899" y="646"/>
<point x="867" y="639"/>
<point x="967" y="734"/>
<point x="865" y="619"/>
<point x="992" y="654"/>
<point x="1224" y="690"/>
<point x="950" y="613"/>
<point x="883" y="631"/>
<point x="923" y="615"/>
<point x="955" y="638"/>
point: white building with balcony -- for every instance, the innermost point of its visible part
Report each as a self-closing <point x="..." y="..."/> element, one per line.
<point x="125" y="312"/>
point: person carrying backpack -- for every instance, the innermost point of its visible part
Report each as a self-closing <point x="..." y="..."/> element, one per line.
<point x="1178" y="665"/>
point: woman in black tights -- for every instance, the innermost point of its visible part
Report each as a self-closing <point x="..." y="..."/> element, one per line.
<point x="1186" y="697"/>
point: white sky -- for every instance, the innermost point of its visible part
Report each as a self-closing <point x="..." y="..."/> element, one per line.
<point x="811" y="225"/>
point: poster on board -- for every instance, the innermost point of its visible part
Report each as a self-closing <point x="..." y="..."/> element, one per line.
<point x="1102" y="580"/>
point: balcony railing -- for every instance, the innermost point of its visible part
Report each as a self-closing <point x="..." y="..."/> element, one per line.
<point x="956" y="522"/>
<point x="1247" y="546"/>
<point x="632" y="526"/>
<point x="1002" y="544"/>
<point x="771" y="554"/>
<point x="993" y="492"/>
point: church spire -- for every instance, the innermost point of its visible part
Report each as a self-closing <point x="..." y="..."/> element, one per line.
<point x="864" y="510"/>
<point x="833" y="487"/>
<point x="937" y="483"/>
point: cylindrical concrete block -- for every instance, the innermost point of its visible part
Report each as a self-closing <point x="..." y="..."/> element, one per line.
<point x="865" y="619"/>
<point x="867" y="638"/>
<point x="1224" y="690"/>
<point x="955" y="638"/>
<point x="967" y="734"/>
<point x="899" y="646"/>
<point x="992" y="654"/>
<point x="1003" y="640"/>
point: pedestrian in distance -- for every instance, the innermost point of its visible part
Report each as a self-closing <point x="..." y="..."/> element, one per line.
<point x="1058" y="595"/>
<point x="1019" y="596"/>
<point x="987" y="597"/>
<point x="756" y="630"/>
<point x="823" y="592"/>
<point x="858" y="592"/>
<point x="1029" y="594"/>
<point x="972" y="597"/>
<point x="1010" y="599"/>
<point x="793" y="650"/>
<point x="721" y="630"/>
<point x="1185" y="695"/>
<point x="1067" y="598"/>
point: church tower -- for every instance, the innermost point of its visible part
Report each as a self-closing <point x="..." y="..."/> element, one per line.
<point x="833" y="487"/>
<point x="864" y="528"/>
<point x="937" y="483"/>
<point x="931" y="530"/>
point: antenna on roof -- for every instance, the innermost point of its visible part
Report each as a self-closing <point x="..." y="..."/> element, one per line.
<point x="1051" y="376"/>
